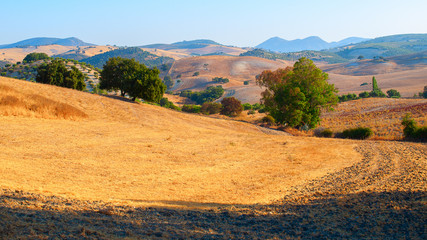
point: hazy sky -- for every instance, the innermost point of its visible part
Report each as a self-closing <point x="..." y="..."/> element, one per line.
<point x="231" y="22"/>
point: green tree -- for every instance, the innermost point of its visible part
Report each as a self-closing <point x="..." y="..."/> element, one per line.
<point x="295" y="96"/>
<point x="56" y="73"/>
<point x="231" y="106"/>
<point x="35" y="56"/>
<point x="393" y="93"/>
<point x="132" y="78"/>
<point x="425" y="92"/>
<point x="376" y="91"/>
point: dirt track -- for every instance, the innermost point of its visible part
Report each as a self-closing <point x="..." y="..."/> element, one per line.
<point x="383" y="196"/>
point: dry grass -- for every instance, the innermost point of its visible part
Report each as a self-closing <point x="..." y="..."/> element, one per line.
<point x="382" y="115"/>
<point x="15" y="103"/>
<point x="144" y="154"/>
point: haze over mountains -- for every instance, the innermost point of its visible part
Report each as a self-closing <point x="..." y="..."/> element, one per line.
<point x="41" y="41"/>
<point x="277" y="44"/>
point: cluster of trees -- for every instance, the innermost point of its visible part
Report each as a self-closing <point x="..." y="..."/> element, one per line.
<point x="132" y="78"/>
<point x="220" y="80"/>
<point x="209" y="95"/>
<point x="229" y="106"/>
<point x="376" y="92"/>
<point x="294" y="96"/>
<point x="35" y="57"/>
<point x="56" y="73"/>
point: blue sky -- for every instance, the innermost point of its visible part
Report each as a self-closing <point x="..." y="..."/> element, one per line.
<point x="233" y="22"/>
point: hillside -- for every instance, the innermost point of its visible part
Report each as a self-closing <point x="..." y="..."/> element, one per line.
<point x="41" y="41"/>
<point x="387" y="46"/>
<point x="98" y="167"/>
<point x="236" y="69"/>
<point x="139" y="55"/>
<point x="317" y="56"/>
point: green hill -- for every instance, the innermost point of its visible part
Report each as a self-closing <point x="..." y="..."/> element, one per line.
<point x="384" y="46"/>
<point x="293" y="56"/>
<point x="139" y="55"/>
<point x="184" y="45"/>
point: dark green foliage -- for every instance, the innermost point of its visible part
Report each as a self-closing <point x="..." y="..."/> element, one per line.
<point x="231" y="106"/>
<point x="178" y="76"/>
<point x="392" y="93"/>
<point x="364" y="84"/>
<point x="191" y="108"/>
<point x="209" y="95"/>
<point x="357" y="133"/>
<point x="56" y="73"/>
<point x="364" y="94"/>
<point x="376" y="91"/>
<point x="211" y="108"/>
<point x="168" y="82"/>
<point x="425" y="92"/>
<point x="164" y="102"/>
<point x="246" y="83"/>
<point x="296" y="100"/>
<point x="412" y="131"/>
<point x="257" y="106"/>
<point x="139" y="55"/>
<point x="35" y="57"/>
<point x="250" y="112"/>
<point x="327" y="133"/>
<point x="196" y="74"/>
<point x="348" y="97"/>
<point x="220" y="80"/>
<point x="247" y="106"/>
<point x="132" y="78"/>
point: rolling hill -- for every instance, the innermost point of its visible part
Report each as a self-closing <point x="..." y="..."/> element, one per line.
<point x="79" y="164"/>
<point x="41" y="41"/>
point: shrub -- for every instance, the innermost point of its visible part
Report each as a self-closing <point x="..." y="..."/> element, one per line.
<point x="247" y="106"/>
<point x="250" y="112"/>
<point x="364" y="94"/>
<point x="393" y="93"/>
<point x="191" y="108"/>
<point x="411" y="131"/>
<point x="321" y="132"/>
<point x="164" y="102"/>
<point x="196" y="74"/>
<point x="220" y="80"/>
<point x="357" y="133"/>
<point x="210" y="108"/>
<point x="246" y="83"/>
<point x="269" y="120"/>
<point x="209" y="95"/>
<point x="231" y="106"/>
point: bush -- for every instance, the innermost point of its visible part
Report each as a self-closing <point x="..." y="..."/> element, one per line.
<point x="322" y="132"/>
<point x="220" y="80"/>
<point x="209" y="95"/>
<point x="411" y="131"/>
<point x="209" y="108"/>
<point x="246" y="83"/>
<point x="247" y="106"/>
<point x="269" y="120"/>
<point x="393" y="93"/>
<point x="191" y="108"/>
<point x="164" y="102"/>
<point x="357" y="133"/>
<point x="250" y="112"/>
<point x="348" y="97"/>
<point x="231" y="106"/>
<point x="196" y="74"/>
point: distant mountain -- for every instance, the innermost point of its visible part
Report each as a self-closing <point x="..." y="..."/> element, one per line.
<point x="139" y="55"/>
<point x="311" y="43"/>
<point x="72" y="41"/>
<point x="387" y="46"/>
<point x="201" y="43"/>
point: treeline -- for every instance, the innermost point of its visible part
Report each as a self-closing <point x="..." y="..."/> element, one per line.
<point x="376" y="92"/>
<point x="209" y="95"/>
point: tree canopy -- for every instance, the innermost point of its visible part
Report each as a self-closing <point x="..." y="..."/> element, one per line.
<point x="132" y="78"/>
<point x="56" y="73"/>
<point x="294" y="96"/>
<point x="35" y="57"/>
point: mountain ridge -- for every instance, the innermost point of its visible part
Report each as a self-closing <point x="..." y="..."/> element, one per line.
<point x="40" y="41"/>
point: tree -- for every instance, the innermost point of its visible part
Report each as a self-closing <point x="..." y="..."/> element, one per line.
<point x="231" y="106"/>
<point x="132" y="78"/>
<point x="425" y="92"/>
<point x="56" y="73"/>
<point x="393" y="93"/>
<point x="295" y="96"/>
<point x="35" y="56"/>
<point x="376" y="91"/>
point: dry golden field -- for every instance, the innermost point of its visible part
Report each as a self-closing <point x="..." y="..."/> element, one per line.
<point x="76" y="165"/>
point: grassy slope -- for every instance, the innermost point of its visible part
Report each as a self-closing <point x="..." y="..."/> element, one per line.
<point x="128" y="156"/>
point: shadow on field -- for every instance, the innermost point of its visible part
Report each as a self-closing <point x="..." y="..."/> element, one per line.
<point x="390" y="215"/>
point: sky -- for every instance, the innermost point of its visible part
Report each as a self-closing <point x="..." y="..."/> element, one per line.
<point x="242" y="23"/>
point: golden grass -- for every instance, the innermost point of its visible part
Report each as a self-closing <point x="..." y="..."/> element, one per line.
<point x="382" y="115"/>
<point x="15" y="103"/>
<point x="142" y="154"/>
